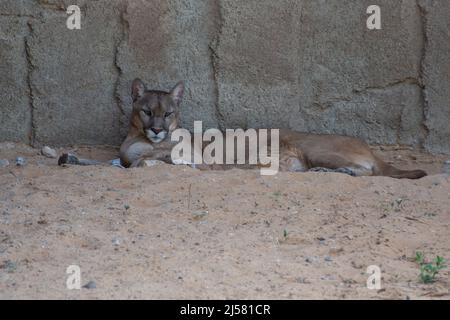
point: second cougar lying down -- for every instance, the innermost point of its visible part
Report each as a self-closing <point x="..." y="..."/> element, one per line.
<point x="156" y="115"/>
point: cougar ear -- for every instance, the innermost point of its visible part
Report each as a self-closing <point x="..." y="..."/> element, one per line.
<point x="137" y="89"/>
<point x="178" y="92"/>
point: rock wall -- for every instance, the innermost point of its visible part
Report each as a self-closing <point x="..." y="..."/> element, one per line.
<point x="310" y="65"/>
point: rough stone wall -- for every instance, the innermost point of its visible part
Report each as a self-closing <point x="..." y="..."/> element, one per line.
<point x="311" y="65"/>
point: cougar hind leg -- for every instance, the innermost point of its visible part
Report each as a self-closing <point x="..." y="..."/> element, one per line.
<point x="292" y="164"/>
<point x="340" y="164"/>
<point x="292" y="159"/>
<point x="348" y="171"/>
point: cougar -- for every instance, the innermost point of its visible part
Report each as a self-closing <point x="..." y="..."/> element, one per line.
<point x="156" y="115"/>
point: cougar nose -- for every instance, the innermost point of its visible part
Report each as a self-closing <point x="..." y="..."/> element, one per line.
<point x="157" y="131"/>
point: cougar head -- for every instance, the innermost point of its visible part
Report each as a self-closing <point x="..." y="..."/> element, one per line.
<point x="156" y="111"/>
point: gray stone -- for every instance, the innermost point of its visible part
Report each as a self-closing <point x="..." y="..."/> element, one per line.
<point x="49" y="152"/>
<point x="9" y="266"/>
<point x="20" y="161"/>
<point x="307" y="65"/>
<point x="152" y="163"/>
<point x="257" y="62"/>
<point x="117" y="163"/>
<point x="436" y="75"/>
<point x="4" y="163"/>
<point x="116" y="242"/>
<point x="198" y="215"/>
<point x="90" y="285"/>
<point x="446" y="167"/>
<point x="15" y="112"/>
<point x="74" y="78"/>
<point x="315" y="67"/>
<point x="169" y="41"/>
<point x="20" y="8"/>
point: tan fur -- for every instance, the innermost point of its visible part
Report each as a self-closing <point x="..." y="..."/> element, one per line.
<point x="154" y="117"/>
<point x="299" y="152"/>
<point x="340" y="152"/>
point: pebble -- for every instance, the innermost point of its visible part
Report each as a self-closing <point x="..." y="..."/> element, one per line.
<point x="9" y="266"/>
<point x="152" y="163"/>
<point x="328" y="259"/>
<point x="49" y="152"/>
<point x="200" y="214"/>
<point x="90" y="285"/>
<point x="4" y="163"/>
<point x="20" y="161"/>
<point x="117" y="163"/>
<point x="328" y="277"/>
<point x="446" y="168"/>
<point x="116" y="241"/>
<point x="302" y="280"/>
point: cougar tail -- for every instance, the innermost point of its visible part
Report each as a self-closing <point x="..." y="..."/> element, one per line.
<point x="384" y="169"/>
<point x="68" y="158"/>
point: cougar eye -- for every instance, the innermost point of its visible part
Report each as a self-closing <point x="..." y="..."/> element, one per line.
<point x="148" y="112"/>
<point x="168" y="114"/>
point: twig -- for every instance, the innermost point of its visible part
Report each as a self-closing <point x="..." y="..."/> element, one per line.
<point x="189" y="197"/>
<point x="15" y="176"/>
<point x="415" y="219"/>
<point x="436" y="294"/>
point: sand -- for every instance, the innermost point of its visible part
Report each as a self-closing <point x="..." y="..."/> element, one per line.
<point x="173" y="232"/>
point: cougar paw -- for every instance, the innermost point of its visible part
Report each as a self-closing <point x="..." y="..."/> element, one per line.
<point x="320" y="169"/>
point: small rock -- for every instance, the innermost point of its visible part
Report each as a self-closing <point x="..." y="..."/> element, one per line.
<point x="328" y="259"/>
<point x="328" y="277"/>
<point x="116" y="241"/>
<point x="20" y="161"/>
<point x="9" y="266"/>
<point x="302" y="280"/>
<point x="200" y="214"/>
<point x="117" y="163"/>
<point x="446" y="168"/>
<point x="49" y="152"/>
<point x="357" y="265"/>
<point x="152" y="163"/>
<point x="4" y="163"/>
<point x="90" y="285"/>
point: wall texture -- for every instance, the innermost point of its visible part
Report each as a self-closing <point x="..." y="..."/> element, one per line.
<point x="311" y="65"/>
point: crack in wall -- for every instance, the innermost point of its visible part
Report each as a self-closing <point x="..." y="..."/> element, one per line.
<point x="124" y="36"/>
<point x="425" y="104"/>
<point x="125" y="30"/>
<point x="300" y="9"/>
<point x="17" y="15"/>
<point x="214" y="57"/>
<point x="53" y="6"/>
<point x="30" y="68"/>
<point x="406" y="81"/>
<point x="400" y="119"/>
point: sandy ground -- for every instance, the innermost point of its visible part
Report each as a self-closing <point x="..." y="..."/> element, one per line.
<point x="169" y="232"/>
